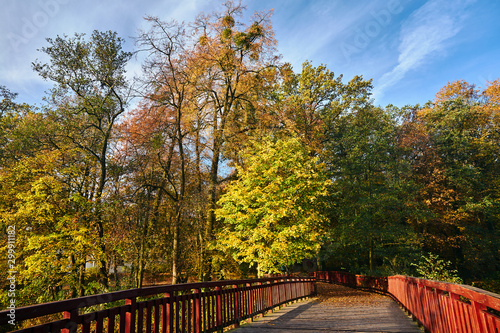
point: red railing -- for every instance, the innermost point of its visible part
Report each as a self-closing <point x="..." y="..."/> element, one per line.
<point x="193" y="307"/>
<point x="438" y="306"/>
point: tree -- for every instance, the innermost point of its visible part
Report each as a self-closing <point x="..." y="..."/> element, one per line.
<point x="170" y="99"/>
<point x="54" y="241"/>
<point x="308" y="104"/>
<point x="368" y="191"/>
<point x="91" y="93"/>
<point x="359" y="144"/>
<point x="209" y="77"/>
<point x="455" y="164"/>
<point x="233" y="59"/>
<point x="274" y="212"/>
<point x="11" y="114"/>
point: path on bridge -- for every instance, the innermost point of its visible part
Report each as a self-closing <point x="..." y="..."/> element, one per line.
<point x="336" y="309"/>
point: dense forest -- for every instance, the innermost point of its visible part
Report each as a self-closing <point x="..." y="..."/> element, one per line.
<point x="221" y="161"/>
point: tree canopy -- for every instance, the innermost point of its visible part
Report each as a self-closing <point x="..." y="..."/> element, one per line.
<point x="275" y="211"/>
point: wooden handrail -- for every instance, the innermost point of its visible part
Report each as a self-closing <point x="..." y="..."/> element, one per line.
<point x="190" y="307"/>
<point x="437" y="306"/>
<point x="211" y="306"/>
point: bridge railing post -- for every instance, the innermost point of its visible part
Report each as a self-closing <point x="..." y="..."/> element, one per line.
<point x="218" y="296"/>
<point x="130" y="315"/>
<point x="285" y="289"/>
<point x="261" y="294"/>
<point x="168" y="311"/>
<point x="236" y="309"/>
<point x="268" y="298"/>
<point x="197" y="310"/>
<point x="250" y="300"/>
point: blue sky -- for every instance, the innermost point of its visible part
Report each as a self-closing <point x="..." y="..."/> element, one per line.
<point x="410" y="48"/>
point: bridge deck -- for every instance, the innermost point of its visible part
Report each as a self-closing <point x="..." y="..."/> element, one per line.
<point x="336" y="309"/>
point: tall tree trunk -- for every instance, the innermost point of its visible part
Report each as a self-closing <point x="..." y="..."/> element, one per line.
<point x="180" y="200"/>
<point x="212" y="203"/>
<point x="81" y="282"/>
<point x="175" y="246"/>
<point x="103" y="270"/>
<point x="199" y="207"/>
<point x="140" y="267"/>
<point x="142" y="253"/>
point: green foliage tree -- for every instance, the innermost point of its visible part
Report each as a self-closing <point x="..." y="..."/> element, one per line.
<point x="54" y="240"/>
<point x="274" y="212"/>
<point x="308" y="104"/>
<point x="91" y="92"/>
<point x="368" y="192"/>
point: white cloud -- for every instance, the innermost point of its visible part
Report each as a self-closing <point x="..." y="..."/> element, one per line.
<point x="425" y="33"/>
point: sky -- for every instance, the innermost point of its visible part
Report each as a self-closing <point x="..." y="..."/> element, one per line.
<point x="410" y="48"/>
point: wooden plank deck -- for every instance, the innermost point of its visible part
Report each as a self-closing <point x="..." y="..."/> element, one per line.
<point x="336" y="309"/>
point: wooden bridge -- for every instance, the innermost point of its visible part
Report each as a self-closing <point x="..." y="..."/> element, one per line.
<point x="336" y="308"/>
<point x="222" y="305"/>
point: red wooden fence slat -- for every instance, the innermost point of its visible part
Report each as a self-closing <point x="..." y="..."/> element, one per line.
<point x="149" y="316"/>
<point x="130" y="315"/>
<point x="168" y="308"/>
<point x="236" y="305"/>
<point x="86" y="322"/>
<point x="196" y="311"/>
<point x="189" y="312"/>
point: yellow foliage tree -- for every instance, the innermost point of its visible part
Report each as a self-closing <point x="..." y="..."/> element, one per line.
<point x="274" y="212"/>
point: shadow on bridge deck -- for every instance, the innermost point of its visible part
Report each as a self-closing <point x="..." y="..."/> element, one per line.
<point x="336" y="309"/>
